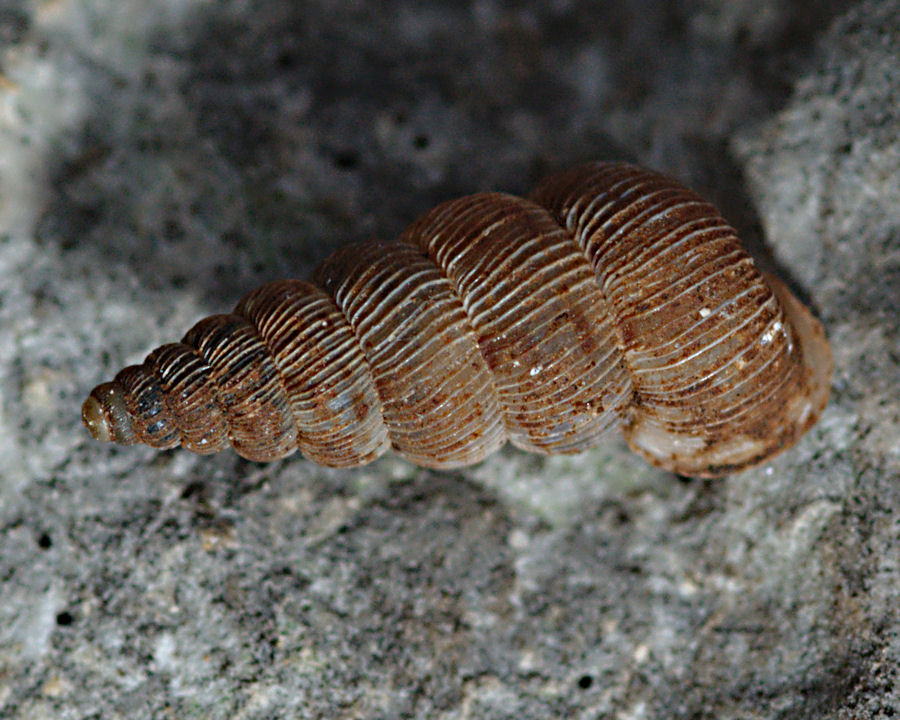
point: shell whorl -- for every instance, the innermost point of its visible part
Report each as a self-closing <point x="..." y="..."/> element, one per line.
<point x="614" y="296"/>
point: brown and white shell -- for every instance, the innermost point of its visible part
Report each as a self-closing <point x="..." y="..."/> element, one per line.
<point x="613" y="297"/>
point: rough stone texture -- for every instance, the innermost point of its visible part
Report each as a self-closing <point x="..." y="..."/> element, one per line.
<point x="160" y="157"/>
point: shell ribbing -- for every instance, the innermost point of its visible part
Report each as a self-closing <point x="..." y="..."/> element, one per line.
<point x="613" y="296"/>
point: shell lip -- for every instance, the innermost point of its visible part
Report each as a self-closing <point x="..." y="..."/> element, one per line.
<point x="815" y="353"/>
<point x="691" y="456"/>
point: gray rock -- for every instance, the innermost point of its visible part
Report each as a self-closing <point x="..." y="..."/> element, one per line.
<point x="160" y="158"/>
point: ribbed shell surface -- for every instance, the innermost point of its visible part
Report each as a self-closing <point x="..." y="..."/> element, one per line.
<point x="541" y="325"/>
<point x="614" y="295"/>
<point x="711" y="355"/>
<point x="437" y="396"/>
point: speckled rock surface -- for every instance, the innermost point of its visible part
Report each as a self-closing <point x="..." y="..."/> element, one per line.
<point x="158" y="158"/>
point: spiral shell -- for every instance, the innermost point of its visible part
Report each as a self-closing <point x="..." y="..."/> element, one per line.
<point x="613" y="297"/>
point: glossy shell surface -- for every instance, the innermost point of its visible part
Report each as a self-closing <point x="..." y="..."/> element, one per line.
<point x="614" y="296"/>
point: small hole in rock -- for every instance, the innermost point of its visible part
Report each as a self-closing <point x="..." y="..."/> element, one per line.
<point x="192" y="490"/>
<point x="346" y="159"/>
<point x="287" y="59"/>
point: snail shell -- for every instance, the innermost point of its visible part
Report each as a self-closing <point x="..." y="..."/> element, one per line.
<point x="613" y="297"/>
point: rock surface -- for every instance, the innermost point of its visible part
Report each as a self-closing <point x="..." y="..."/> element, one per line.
<point x="158" y="158"/>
